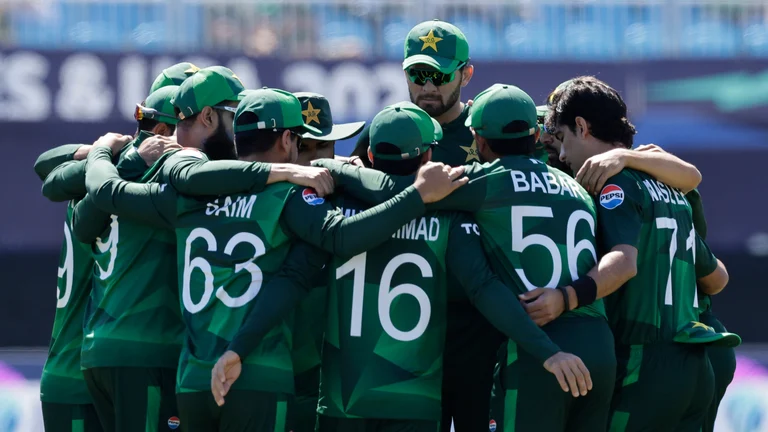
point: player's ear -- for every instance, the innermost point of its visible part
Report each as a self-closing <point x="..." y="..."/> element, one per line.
<point x="285" y="142"/>
<point x="370" y="155"/>
<point x="582" y="126"/>
<point x="538" y="135"/>
<point x="207" y="117"/>
<point x="466" y="74"/>
<point x="161" y="129"/>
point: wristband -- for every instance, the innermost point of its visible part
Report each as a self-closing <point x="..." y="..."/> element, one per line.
<point x="586" y="290"/>
<point x="566" y="300"/>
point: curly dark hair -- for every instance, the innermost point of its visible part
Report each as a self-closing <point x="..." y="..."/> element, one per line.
<point x="599" y="104"/>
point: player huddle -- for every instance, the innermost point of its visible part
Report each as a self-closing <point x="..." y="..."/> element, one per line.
<point x="222" y="270"/>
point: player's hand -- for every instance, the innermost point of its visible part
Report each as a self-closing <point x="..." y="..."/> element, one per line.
<point x="547" y="305"/>
<point x="114" y="141"/>
<point x="650" y="148"/>
<point x="436" y="181"/>
<point x="82" y="152"/>
<point x="599" y="168"/>
<point x="155" y="146"/>
<point x="225" y="372"/>
<point x="320" y="179"/>
<point x="356" y="161"/>
<point x="570" y="372"/>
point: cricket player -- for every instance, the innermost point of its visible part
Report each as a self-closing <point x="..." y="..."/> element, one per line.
<point x="317" y="112"/>
<point x="309" y="319"/>
<point x="377" y="374"/>
<point x="521" y="232"/>
<point x="437" y="65"/>
<point x="267" y="125"/>
<point x="67" y="404"/>
<point x="651" y="260"/>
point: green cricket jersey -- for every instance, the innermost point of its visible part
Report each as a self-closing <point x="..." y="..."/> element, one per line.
<point x="637" y="210"/>
<point x="269" y="217"/>
<point x="62" y="380"/>
<point x="384" y="342"/>
<point x="538" y="223"/>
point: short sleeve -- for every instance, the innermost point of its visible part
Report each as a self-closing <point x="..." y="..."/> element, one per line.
<point x="619" y="212"/>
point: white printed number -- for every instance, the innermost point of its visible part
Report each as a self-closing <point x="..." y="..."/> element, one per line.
<point x="66" y="272"/>
<point x="111" y="246"/>
<point x="690" y="244"/>
<point x="204" y="266"/>
<point x="387" y="296"/>
<point x="573" y="249"/>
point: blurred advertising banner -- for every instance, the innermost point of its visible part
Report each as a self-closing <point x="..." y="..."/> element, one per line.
<point x="697" y="109"/>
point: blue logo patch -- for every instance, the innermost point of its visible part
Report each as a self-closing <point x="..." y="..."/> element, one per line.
<point x="611" y="196"/>
<point x="492" y="426"/>
<point x="173" y="423"/>
<point x="311" y="198"/>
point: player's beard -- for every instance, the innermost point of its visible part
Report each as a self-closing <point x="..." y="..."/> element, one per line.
<point x="441" y="108"/>
<point x="219" y="146"/>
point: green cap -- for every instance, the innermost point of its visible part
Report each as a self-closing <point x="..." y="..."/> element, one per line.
<point x="207" y="87"/>
<point x="174" y="75"/>
<point x="698" y="333"/>
<point x="407" y="127"/>
<point x="158" y="106"/>
<point x="317" y="112"/>
<point x="274" y="109"/>
<point x="498" y="106"/>
<point x="438" y="44"/>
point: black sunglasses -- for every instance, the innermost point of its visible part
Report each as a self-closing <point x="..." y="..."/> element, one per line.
<point x="421" y="76"/>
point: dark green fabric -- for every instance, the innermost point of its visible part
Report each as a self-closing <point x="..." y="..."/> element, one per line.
<point x="471" y="343"/>
<point x="70" y="418"/>
<point x="723" y="362"/>
<point x="333" y="424"/>
<point x="662" y="387"/>
<point x="533" y="400"/>
<point x="243" y="411"/>
<point x="130" y="399"/>
<point x="54" y="157"/>
<point x="302" y="413"/>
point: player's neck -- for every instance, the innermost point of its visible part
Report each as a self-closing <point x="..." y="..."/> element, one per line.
<point x="452" y="114"/>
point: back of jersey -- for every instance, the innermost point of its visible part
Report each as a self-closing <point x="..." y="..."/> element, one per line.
<point x="538" y="226"/>
<point x="638" y="210"/>
<point x="134" y="320"/>
<point x="385" y="334"/>
<point x="228" y="248"/>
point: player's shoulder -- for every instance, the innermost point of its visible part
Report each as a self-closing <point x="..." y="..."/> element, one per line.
<point x="301" y="194"/>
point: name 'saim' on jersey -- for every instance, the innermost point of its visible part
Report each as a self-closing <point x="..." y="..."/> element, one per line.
<point x="241" y="207"/>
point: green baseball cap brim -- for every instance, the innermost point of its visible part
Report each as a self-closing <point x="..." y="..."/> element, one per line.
<point x="697" y="333"/>
<point x="444" y="65"/>
<point x="337" y="132"/>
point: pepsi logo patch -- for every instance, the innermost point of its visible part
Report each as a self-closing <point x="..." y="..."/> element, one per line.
<point x="492" y="425"/>
<point x="611" y="196"/>
<point x="173" y="423"/>
<point x="311" y="198"/>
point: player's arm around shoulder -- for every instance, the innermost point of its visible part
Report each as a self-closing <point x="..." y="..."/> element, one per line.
<point x="711" y="274"/>
<point x="65" y="182"/>
<point x="88" y="221"/>
<point x="365" y="184"/>
<point x="54" y="157"/>
<point x="150" y="203"/>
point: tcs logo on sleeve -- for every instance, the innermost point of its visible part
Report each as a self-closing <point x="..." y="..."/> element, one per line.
<point x="311" y="198"/>
<point x="611" y="196"/>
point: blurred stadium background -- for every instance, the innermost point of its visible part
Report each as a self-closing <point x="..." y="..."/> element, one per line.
<point x="694" y="73"/>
